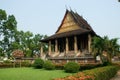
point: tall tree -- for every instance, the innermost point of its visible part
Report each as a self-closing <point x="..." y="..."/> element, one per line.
<point x="12" y="39"/>
<point x="105" y="44"/>
<point x="8" y="27"/>
<point x="9" y="30"/>
<point x="111" y="46"/>
<point x="3" y="17"/>
<point x="36" y="42"/>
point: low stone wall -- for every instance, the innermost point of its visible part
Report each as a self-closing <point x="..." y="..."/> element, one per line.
<point x="74" y="59"/>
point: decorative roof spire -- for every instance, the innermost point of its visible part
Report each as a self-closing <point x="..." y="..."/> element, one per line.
<point x="66" y="7"/>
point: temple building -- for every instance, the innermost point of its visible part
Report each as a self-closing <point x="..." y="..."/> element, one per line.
<point x="71" y="41"/>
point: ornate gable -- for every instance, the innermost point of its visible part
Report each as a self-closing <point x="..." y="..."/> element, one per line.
<point x="68" y="23"/>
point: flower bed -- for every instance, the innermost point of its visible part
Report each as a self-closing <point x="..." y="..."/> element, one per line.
<point x="103" y="73"/>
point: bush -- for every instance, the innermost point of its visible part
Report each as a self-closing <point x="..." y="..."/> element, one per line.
<point x="106" y="63"/>
<point x="38" y="64"/>
<point x="48" y="65"/>
<point x="7" y="61"/>
<point x="102" y="73"/>
<point x="116" y="64"/>
<point x="106" y="72"/>
<point x="72" y="67"/>
<point x="25" y="64"/>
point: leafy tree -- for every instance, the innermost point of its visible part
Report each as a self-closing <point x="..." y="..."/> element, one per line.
<point x="7" y="30"/>
<point x="12" y="39"/>
<point x="1" y="52"/>
<point x="45" y="45"/>
<point x="28" y="53"/>
<point x="105" y="44"/>
<point x="3" y="17"/>
<point x="15" y="45"/>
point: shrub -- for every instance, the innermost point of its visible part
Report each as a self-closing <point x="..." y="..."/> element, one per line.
<point x="38" y="64"/>
<point x="26" y="64"/>
<point x="48" y="65"/>
<point x="106" y="63"/>
<point x="106" y="72"/>
<point x="71" y="67"/>
<point x="102" y="73"/>
<point x="7" y="61"/>
<point x="116" y="64"/>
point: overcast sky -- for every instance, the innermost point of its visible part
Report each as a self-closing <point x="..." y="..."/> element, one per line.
<point x="45" y="16"/>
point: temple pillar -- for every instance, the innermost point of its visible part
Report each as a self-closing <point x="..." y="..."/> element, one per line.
<point x="75" y="44"/>
<point x="66" y="45"/>
<point x="49" y="48"/>
<point x="89" y="43"/>
<point x="56" y="46"/>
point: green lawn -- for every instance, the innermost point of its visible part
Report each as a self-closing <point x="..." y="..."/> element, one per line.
<point x="30" y="74"/>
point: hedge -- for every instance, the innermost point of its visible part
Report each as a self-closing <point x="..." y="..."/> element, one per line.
<point x="89" y="66"/>
<point x="102" y="73"/>
<point x="60" y="66"/>
<point x="16" y="64"/>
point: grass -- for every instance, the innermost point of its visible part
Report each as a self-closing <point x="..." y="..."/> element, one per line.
<point x="30" y="74"/>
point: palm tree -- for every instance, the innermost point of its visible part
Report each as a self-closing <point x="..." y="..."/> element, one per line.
<point x="105" y="44"/>
<point x="97" y="46"/>
<point x="113" y="48"/>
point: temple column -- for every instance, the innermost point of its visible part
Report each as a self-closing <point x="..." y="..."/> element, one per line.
<point x="89" y="43"/>
<point x="49" y="48"/>
<point x="56" y="46"/>
<point x="66" y="45"/>
<point x="75" y="44"/>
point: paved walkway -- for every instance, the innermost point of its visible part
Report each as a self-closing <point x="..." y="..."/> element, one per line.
<point x="117" y="76"/>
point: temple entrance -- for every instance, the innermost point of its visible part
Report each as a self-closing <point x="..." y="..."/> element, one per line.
<point x="71" y="43"/>
<point x="61" y="45"/>
<point x="82" y="42"/>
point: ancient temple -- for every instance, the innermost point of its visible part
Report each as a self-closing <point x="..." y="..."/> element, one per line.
<point x="72" y="40"/>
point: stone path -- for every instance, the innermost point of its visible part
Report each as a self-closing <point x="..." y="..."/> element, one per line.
<point x="117" y="77"/>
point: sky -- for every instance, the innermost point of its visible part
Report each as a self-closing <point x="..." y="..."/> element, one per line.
<point x="44" y="16"/>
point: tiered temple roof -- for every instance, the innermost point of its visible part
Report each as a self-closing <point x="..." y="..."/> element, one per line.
<point x="83" y="25"/>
